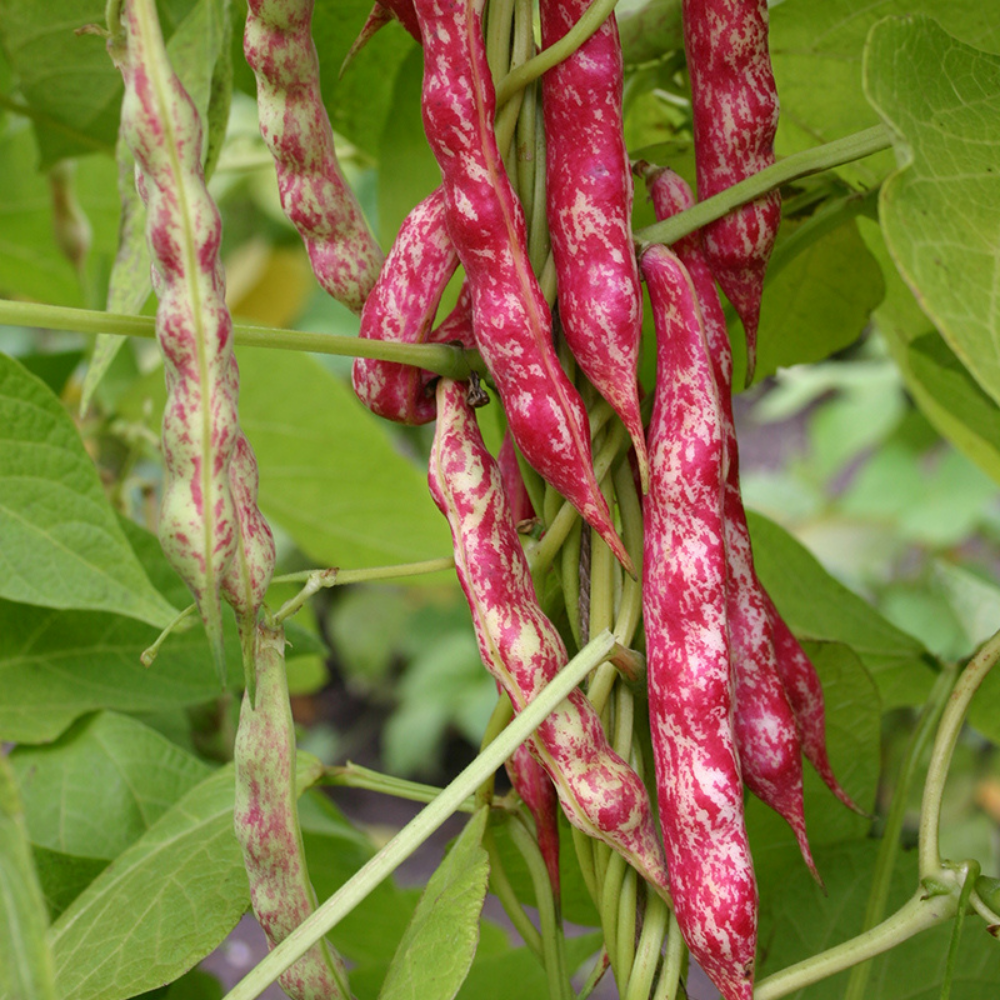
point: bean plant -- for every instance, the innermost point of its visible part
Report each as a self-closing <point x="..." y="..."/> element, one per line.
<point x="447" y="307"/>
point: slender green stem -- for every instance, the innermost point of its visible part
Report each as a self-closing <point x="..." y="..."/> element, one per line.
<point x="370" y="573"/>
<point x="611" y="889"/>
<point x="352" y="775"/>
<point x="630" y="509"/>
<point x="944" y="746"/>
<point x="515" y="81"/>
<point x="503" y="712"/>
<point x="889" y="847"/>
<point x="584" y="848"/>
<point x="596" y="974"/>
<point x="919" y="914"/>
<point x="647" y="954"/>
<point x="452" y="362"/>
<point x="504" y="891"/>
<point x="969" y="876"/>
<point x="809" y="161"/>
<point x="149" y="654"/>
<point x="673" y="962"/>
<point x="627" y="902"/>
<point x="423" y="825"/>
<point x="553" y="939"/>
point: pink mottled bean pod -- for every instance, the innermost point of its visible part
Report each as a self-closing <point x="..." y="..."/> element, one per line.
<point x="600" y="794"/>
<point x="538" y="793"/>
<point x="512" y="322"/>
<point x="293" y="121"/>
<point x="401" y="309"/>
<point x="588" y="192"/>
<point x="513" y="483"/>
<point x="767" y="737"/>
<point x="266" y="821"/>
<point x="691" y="684"/>
<point x="735" y="111"/>
<point x="198" y="525"/>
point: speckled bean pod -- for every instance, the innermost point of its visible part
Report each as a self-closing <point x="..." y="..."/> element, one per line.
<point x="512" y="322"/>
<point x="691" y="683"/>
<point x="401" y="309"/>
<point x="198" y="525"/>
<point x="735" y="111"/>
<point x="599" y="792"/>
<point x="521" y="508"/>
<point x="266" y="821"/>
<point x="539" y="794"/>
<point x="293" y="121"/>
<point x="588" y="194"/>
<point x="766" y="733"/>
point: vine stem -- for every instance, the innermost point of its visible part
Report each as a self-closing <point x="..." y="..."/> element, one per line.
<point x="451" y="362"/>
<point x="852" y="147"/>
<point x="919" y="914"/>
<point x="944" y="746"/>
<point x="423" y="824"/>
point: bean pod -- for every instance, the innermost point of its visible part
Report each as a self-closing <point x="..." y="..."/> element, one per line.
<point x="600" y="794"/>
<point x="316" y="198"/>
<point x="266" y="821"/>
<point x="691" y="685"/>
<point x="588" y="194"/>
<point x="735" y="114"/>
<point x="767" y="737"/>
<point x="513" y="326"/>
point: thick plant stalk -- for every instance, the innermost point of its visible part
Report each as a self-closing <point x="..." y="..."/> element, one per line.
<point x="767" y="737"/>
<point x="401" y="308"/>
<point x="267" y="826"/>
<point x="513" y="326"/>
<point x="293" y="121"/>
<point x="199" y="522"/>
<point x="698" y="777"/>
<point x="600" y="794"/>
<point x="588" y="189"/>
<point x="735" y="113"/>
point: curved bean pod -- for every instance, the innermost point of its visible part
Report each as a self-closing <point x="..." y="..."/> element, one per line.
<point x="588" y="194"/>
<point x="735" y="111"/>
<point x="698" y="778"/>
<point x="512" y="322"/>
<point x="767" y="737"/>
<point x="293" y="121"/>
<point x="600" y="794"/>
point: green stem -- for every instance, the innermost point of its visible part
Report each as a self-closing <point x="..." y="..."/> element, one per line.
<point x="552" y="937"/>
<point x="647" y="955"/>
<point x="673" y="962"/>
<point x="919" y="914"/>
<point x="596" y="974"/>
<point x="809" y="161"/>
<point x="501" y="888"/>
<point x="889" y="847"/>
<point x="611" y="890"/>
<point x="423" y="824"/>
<point x="452" y="362"/>
<point x="517" y="79"/>
<point x="944" y="746"/>
<point x="369" y="573"/>
<point x="627" y="903"/>
<point x="630" y="509"/>
<point x="352" y="775"/>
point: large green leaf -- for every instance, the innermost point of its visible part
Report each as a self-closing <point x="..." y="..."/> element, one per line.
<point x="436" y="951"/>
<point x="818" y="607"/>
<point x="330" y="475"/>
<point x="816" y="52"/>
<point x="940" y="211"/>
<point x="62" y="544"/>
<point x="187" y="872"/>
<point x="819" y="304"/>
<point x="101" y="785"/>
<point x="26" y="967"/>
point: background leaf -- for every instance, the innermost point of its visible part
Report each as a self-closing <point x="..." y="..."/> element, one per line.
<point x="62" y="544"/>
<point x="940" y="211"/>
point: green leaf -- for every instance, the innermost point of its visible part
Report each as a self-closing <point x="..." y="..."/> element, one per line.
<point x="64" y="876"/>
<point x="26" y="965"/>
<point x="941" y="210"/>
<point x="101" y="785"/>
<point x="818" y="607"/>
<point x="436" y="952"/>
<point x="63" y="547"/>
<point x="59" y="665"/>
<point x="816" y="50"/>
<point x="187" y="871"/>
<point x="819" y="304"/>
<point x="330" y="475"/>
